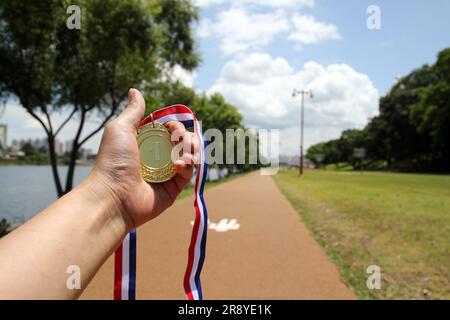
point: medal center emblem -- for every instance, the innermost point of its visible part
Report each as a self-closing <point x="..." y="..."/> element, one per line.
<point x="155" y="148"/>
<point x="154" y="151"/>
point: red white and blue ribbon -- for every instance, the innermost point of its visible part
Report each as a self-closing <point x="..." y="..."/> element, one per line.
<point x="125" y="269"/>
<point x="125" y="256"/>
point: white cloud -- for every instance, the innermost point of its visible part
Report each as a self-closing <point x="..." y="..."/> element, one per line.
<point x="178" y="73"/>
<point x="270" y="3"/>
<point x="207" y="3"/>
<point x="184" y="76"/>
<point x="253" y="71"/>
<point x="282" y="3"/>
<point x="239" y="30"/>
<point x="308" y="30"/>
<point x="261" y="87"/>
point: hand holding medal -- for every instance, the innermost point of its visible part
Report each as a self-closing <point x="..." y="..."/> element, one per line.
<point x="157" y="181"/>
<point x="158" y="155"/>
<point x="139" y="200"/>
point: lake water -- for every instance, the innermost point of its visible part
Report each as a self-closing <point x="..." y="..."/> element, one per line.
<point x="27" y="190"/>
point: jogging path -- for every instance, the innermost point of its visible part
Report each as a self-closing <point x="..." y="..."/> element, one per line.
<point x="270" y="256"/>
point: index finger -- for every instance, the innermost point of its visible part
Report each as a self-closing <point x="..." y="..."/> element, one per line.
<point x="173" y="126"/>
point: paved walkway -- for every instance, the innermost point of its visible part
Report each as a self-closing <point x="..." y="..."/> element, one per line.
<point x="271" y="256"/>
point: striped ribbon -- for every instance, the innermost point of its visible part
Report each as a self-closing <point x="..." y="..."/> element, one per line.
<point x="125" y="269"/>
<point x="125" y="256"/>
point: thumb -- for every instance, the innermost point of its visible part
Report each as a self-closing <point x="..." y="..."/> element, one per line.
<point x="134" y="112"/>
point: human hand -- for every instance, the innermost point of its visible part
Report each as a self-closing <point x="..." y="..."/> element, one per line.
<point x="118" y="165"/>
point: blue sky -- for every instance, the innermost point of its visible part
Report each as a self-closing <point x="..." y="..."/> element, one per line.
<point x="412" y="33"/>
<point x="256" y="51"/>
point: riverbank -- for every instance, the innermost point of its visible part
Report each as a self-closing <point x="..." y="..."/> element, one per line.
<point x="23" y="163"/>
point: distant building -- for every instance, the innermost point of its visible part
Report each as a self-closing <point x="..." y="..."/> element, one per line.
<point x="15" y="145"/>
<point x="68" y="146"/>
<point x="91" y="157"/>
<point x="3" y="139"/>
<point x="59" y="147"/>
<point x="40" y="144"/>
<point x="3" y="135"/>
<point x="84" y="154"/>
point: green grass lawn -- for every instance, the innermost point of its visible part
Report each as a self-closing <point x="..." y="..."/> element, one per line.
<point x="400" y="222"/>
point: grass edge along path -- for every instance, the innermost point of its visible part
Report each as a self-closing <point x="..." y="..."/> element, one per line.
<point x="349" y="278"/>
<point x="397" y="221"/>
<point x="189" y="189"/>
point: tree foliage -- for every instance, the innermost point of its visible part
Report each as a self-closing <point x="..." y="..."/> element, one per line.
<point x="431" y="114"/>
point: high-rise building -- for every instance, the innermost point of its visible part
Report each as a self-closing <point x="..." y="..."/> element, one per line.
<point x="59" y="147"/>
<point x="68" y="146"/>
<point x="3" y="139"/>
<point x="15" y="145"/>
<point x="3" y="136"/>
<point x="39" y="144"/>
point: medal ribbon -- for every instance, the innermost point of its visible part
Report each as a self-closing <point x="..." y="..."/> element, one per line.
<point x="125" y="255"/>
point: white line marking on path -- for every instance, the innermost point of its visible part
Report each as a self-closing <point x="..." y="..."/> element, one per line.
<point x="223" y="225"/>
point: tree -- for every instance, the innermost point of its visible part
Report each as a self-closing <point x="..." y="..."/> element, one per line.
<point x="412" y="129"/>
<point x="217" y="113"/>
<point x="28" y="149"/>
<point x="169" y="93"/>
<point x="213" y="111"/>
<point x="87" y="72"/>
<point x="403" y="143"/>
<point x="375" y="139"/>
<point x="316" y="152"/>
<point x="431" y="114"/>
<point x="332" y="152"/>
<point x="350" y="140"/>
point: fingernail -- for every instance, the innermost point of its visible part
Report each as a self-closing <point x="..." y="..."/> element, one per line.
<point x="131" y="93"/>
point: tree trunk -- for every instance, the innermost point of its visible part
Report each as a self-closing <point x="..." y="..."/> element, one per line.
<point x="74" y="154"/>
<point x="71" y="169"/>
<point x="54" y="164"/>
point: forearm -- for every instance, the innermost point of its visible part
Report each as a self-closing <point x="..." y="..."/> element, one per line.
<point x="83" y="228"/>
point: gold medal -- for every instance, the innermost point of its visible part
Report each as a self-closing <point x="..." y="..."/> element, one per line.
<point x="155" y="148"/>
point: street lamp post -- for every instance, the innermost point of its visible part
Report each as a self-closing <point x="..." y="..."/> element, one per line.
<point x="302" y="93"/>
